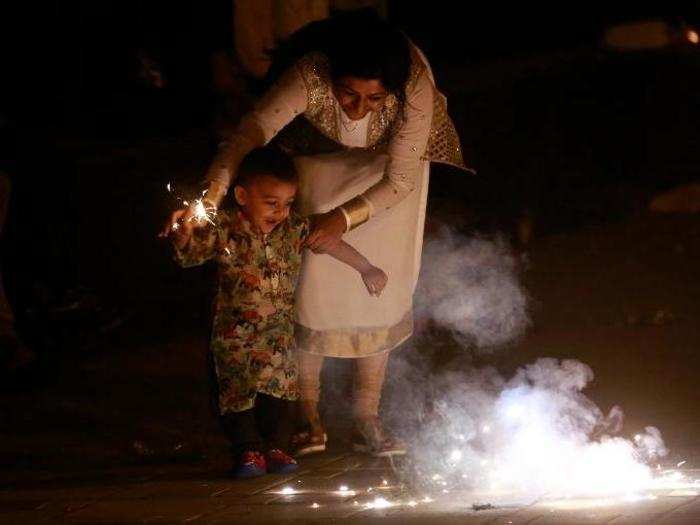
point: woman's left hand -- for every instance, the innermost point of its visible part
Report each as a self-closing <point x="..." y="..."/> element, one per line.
<point x="326" y="230"/>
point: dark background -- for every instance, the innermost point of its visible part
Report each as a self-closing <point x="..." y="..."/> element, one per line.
<point x="562" y="132"/>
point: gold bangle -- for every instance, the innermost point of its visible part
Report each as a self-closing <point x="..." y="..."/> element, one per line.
<point x="358" y="210"/>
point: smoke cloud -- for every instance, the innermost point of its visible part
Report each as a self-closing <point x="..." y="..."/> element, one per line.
<point x="531" y="436"/>
<point x="471" y="287"/>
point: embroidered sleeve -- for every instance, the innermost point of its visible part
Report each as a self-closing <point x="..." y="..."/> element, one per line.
<point x="206" y="243"/>
<point x="277" y="108"/>
<point x="406" y="148"/>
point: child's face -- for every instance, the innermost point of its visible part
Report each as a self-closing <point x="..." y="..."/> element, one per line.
<point x="266" y="201"/>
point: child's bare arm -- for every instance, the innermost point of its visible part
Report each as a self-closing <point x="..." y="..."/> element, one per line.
<point x="374" y="278"/>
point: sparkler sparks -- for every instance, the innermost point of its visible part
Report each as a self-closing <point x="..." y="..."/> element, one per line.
<point x="201" y="212"/>
<point x="287" y="491"/>
<point x="378" y="503"/>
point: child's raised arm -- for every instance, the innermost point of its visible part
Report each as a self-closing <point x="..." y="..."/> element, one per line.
<point x="195" y="246"/>
<point x="374" y="278"/>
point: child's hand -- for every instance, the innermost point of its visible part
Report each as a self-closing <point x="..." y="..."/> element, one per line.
<point x="375" y="280"/>
<point x="180" y="233"/>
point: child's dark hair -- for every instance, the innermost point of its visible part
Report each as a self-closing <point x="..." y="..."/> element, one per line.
<point x="270" y="161"/>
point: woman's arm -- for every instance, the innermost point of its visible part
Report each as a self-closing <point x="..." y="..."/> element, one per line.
<point x="278" y="107"/>
<point x="404" y="166"/>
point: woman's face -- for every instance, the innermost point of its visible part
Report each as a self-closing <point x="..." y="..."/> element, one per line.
<point x="359" y="96"/>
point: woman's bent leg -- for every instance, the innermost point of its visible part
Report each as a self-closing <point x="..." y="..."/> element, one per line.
<point x="368" y="392"/>
<point x="309" y="393"/>
<point x="368" y="385"/>
<point x="310" y="388"/>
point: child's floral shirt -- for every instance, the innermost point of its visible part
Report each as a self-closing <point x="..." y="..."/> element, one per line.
<point x="253" y="334"/>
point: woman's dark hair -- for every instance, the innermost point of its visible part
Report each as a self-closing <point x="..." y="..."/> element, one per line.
<point x="268" y="160"/>
<point x="357" y="43"/>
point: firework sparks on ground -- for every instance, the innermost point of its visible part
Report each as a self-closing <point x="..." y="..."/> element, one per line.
<point x="343" y="490"/>
<point x="536" y="437"/>
<point x="378" y="503"/>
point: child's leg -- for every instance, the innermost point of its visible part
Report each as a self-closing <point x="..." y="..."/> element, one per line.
<point x="241" y="428"/>
<point x="275" y="419"/>
<point x="310" y="389"/>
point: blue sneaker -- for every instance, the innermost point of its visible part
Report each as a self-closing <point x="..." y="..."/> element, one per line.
<point x="251" y="465"/>
<point x="279" y="462"/>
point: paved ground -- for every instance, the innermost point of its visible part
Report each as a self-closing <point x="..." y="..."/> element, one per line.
<point x="193" y="495"/>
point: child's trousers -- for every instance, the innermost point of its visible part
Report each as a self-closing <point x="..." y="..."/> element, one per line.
<point x="266" y="426"/>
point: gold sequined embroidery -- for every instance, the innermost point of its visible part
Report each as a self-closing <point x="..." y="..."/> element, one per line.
<point x="443" y="141"/>
<point x="321" y="110"/>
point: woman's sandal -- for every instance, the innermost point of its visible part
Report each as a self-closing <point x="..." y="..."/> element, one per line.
<point x="305" y="443"/>
<point x="370" y="439"/>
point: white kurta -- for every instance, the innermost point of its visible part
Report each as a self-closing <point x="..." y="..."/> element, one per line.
<point x="331" y="296"/>
<point x="336" y="315"/>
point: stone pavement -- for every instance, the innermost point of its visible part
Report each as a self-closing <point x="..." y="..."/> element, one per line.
<point x="370" y="494"/>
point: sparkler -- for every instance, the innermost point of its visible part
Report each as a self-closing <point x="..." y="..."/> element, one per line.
<point x="201" y="212"/>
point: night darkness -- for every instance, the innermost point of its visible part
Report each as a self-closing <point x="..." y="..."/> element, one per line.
<point x="583" y="214"/>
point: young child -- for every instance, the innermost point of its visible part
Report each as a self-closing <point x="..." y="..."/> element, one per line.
<point x="258" y="247"/>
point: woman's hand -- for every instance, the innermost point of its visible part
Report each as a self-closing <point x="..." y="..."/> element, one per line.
<point x="326" y="230"/>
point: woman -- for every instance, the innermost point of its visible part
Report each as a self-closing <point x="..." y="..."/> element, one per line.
<point x="354" y="101"/>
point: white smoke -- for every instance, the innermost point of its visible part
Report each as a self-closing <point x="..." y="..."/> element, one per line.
<point x="471" y="287"/>
<point x="532" y="436"/>
<point x="535" y="435"/>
